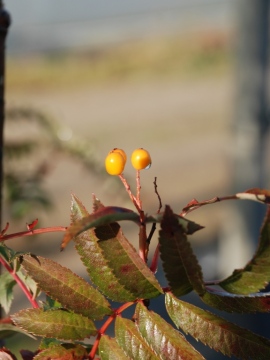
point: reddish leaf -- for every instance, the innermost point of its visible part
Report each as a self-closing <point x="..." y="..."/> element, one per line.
<point x="112" y="263"/>
<point x="131" y="341"/>
<point x="216" y="332"/>
<point x="110" y="350"/>
<point x="225" y="301"/>
<point x="179" y="262"/>
<point x="58" y="324"/>
<point x="101" y="217"/>
<point x="60" y="283"/>
<point x="255" y="276"/>
<point x="63" y="352"/>
<point x="167" y="342"/>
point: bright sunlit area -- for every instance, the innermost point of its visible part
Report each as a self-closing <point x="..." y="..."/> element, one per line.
<point x="84" y="77"/>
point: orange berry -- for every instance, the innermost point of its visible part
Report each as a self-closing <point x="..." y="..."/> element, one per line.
<point x="141" y="159"/>
<point x="114" y="163"/>
<point x="120" y="151"/>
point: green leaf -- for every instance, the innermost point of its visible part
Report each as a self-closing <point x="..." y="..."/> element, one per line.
<point x="179" y="262"/>
<point x="131" y="341"/>
<point x="189" y="227"/>
<point x="109" y="214"/>
<point x="6" y="290"/>
<point x="112" y="263"/>
<point x="73" y="292"/>
<point x="255" y="276"/>
<point x="110" y="350"/>
<point x="58" y="324"/>
<point x="103" y="216"/>
<point x="167" y="342"/>
<point x="7" y="330"/>
<point x="225" y="301"/>
<point x="63" y="352"/>
<point x="216" y="332"/>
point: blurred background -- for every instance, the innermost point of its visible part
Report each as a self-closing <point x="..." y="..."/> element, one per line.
<point x="187" y="80"/>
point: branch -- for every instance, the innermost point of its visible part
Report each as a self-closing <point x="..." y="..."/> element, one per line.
<point x="33" y="232"/>
<point x="254" y="194"/>
<point x="20" y="283"/>
<point x="106" y="325"/>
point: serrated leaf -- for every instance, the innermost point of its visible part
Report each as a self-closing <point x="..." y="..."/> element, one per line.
<point x="225" y="301"/>
<point x="217" y="332"/>
<point x="112" y="263"/>
<point x="167" y="342"/>
<point x="103" y="216"/>
<point x="109" y="214"/>
<point x="179" y="262"/>
<point x="63" y="352"/>
<point x="110" y="350"/>
<point x="130" y="340"/>
<point x="73" y="292"/>
<point x="255" y="276"/>
<point x="58" y="324"/>
<point x="6" y="290"/>
<point x="189" y="227"/>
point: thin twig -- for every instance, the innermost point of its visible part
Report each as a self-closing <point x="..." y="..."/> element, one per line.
<point x="132" y="197"/>
<point x="157" y="193"/>
<point x="106" y="325"/>
<point x="194" y="204"/>
<point x="138" y="183"/>
<point x="20" y="283"/>
<point x="138" y="204"/>
<point x="154" y="225"/>
<point x="154" y="264"/>
<point x="33" y="232"/>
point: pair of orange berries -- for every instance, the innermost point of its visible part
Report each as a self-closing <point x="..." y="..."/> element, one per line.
<point x="116" y="160"/>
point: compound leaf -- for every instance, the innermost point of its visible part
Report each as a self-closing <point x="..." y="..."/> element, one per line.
<point x="110" y="350"/>
<point x="179" y="262"/>
<point x="131" y="341"/>
<point x="112" y="263"/>
<point x="167" y="342"/>
<point x="58" y="324"/>
<point x="217" y="332"/>
<point x="255" y="276"/>
<point x="108" y="214"/>
<point x="60" y="283"/>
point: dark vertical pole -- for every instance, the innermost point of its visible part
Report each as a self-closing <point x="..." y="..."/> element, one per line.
<point x="4" y="24"/>
<point x="251" y="120"/>
<point x="251" y="116"/>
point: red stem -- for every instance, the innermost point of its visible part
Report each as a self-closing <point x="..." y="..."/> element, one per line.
<point x="132" y="197"/>
<point x="20" y="283"/>
<point x="106" y="325"/>
<point x="33" y="232"/>
<point x="154" y="263"/>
